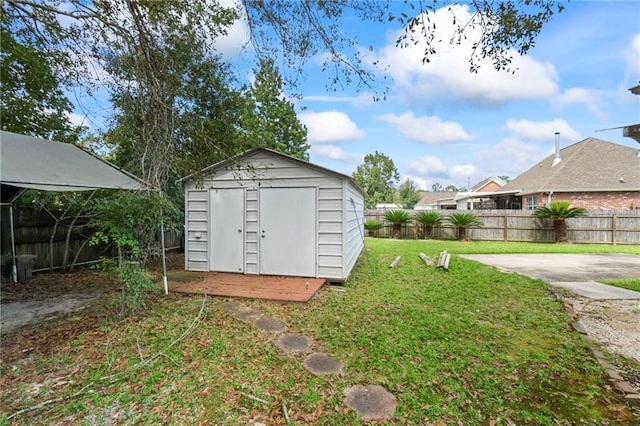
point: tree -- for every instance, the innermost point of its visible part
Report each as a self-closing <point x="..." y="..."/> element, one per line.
<point x="307" y="29"/>
<point x="397" y="218"/>
<point x="271" y="120"/>
<point x="452" y="188"/>
<point x="505" y="178"/>
<point x="437" y="187"/>
<point x="559" y="211"/>
<point x="462" y="221"/>
<point x="428" y="219"/>
<point x="408" y="194"/>
<point x="144" y="45"/>
<point x="377" y="176"/>
<point x="32" y="101"/>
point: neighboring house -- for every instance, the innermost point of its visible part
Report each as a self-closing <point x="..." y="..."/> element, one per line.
<point x="265" y="213"/>
<point x="387" y="206"/>
<point x="593" y="174"/>
<point x="436" y="200"/>
<point x="463" y="200"/>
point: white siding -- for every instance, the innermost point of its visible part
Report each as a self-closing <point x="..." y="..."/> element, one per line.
<point x="251" y="233"/>
<point x="196" y="228"/>
<point x="354" y="227"/>
<point x="330" y="228"/>
<point x="339" y="228"/>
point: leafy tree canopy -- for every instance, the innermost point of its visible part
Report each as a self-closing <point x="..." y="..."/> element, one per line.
<point x="377" y="176"/>
<point x="408" y="194"/>
<point x="271" y="119"/>
<point x="31" y="99"/>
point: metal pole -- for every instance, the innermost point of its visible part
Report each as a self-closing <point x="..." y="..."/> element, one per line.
<point x="14" y="268"/>
<point x="164" y="259"/>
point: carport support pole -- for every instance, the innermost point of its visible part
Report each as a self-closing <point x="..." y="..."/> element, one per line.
<point x="164" y="259"/>
<point x="14" y="268"/>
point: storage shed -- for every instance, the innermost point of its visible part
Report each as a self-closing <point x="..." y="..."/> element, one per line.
<point x="266" y="213"/>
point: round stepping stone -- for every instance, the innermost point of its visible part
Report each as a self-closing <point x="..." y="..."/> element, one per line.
<point x="371" y="402"/>
<point x="291" y="342"/>
<point x="318" y="363"/>
<point x="270" y="325"/>
<point x="246" y="315"/>
<point x="230" y="306"/>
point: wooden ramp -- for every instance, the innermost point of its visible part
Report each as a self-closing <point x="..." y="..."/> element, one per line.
<point x="291" y="289"/>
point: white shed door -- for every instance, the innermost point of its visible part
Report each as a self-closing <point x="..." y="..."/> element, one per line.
<point x="288" y="231"/>
<point x="226" y="251"/>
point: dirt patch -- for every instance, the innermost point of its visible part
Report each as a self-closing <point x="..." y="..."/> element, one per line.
<point x="83" y="297"/>
<point x="613" y="324"/>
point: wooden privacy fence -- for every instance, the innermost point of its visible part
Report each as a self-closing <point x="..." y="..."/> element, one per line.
<point x="34" y="234"/>
<point x="599" y="227"/>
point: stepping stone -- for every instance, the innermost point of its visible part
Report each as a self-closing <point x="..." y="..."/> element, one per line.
<point x="246" y="315"/>
<point x="371" y="402"/>
<point x="270" y="325"/>
<point x="318" y="363"/>
<point x="291" y="342"/>
<point x="230" y="306"/>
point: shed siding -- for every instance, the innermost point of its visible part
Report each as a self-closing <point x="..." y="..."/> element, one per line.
<point x="354" y="226"/>
<point x="330" y="226"/>
<point x="197" y="229"/>
<point x="251" y="232"/>
<point x="336" y="228"/>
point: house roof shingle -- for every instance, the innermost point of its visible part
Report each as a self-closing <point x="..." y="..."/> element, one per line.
<point x="589" y="165"/>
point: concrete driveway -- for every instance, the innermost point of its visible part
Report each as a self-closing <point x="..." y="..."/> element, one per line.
<point x="579" y="273"/>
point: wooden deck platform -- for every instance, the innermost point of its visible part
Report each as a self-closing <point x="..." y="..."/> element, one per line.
<point x="291" y="289"/>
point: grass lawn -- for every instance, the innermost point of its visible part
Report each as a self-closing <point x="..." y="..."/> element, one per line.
<point x="466" y="346"/>
<point x="628" y="283"/>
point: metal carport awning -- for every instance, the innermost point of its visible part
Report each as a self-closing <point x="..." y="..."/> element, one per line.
<point x="28" y="162"/>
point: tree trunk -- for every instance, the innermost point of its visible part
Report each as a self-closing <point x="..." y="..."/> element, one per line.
<point x="462" y="233"/>
<point x="427" y="231"/>
<point x="396" y="230"/>
<point x="560" y="227"/>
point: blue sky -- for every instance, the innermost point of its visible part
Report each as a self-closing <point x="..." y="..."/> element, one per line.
<point x="441" y="123"/>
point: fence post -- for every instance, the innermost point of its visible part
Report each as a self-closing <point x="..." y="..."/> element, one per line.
<point x="505" y="233"/>
<point x="614" y="230"/>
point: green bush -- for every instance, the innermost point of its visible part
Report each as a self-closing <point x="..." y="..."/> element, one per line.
<point x="372" y="226"/>
<point x="462" y="221"/>
<point x="397" y="218"/>
<point x="136" y="286"/>
<point x="428" y="219"/>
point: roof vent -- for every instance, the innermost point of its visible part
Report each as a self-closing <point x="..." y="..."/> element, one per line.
<point x="557" y="158"/>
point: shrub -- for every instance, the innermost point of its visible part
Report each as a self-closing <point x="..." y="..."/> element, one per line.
<point x="397" y="218"/>
<point x="428" y="219"/>
<point x="462" y="221"/>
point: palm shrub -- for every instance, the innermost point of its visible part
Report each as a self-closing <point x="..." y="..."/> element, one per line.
<point x="559" y="211"/>
<point x="462" y="221"/>
<point x="372" y="226"/>
<point x="428" y="220"/>
<point x="397" y="218"/>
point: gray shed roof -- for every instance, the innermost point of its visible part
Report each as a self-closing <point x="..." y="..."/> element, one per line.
<point x="236" y="158"/>
<point x="34" y="163"/>
<point x="591" y="165"/>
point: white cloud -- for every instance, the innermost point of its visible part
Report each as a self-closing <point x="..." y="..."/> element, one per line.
<point x="447" y="75"/>
<point x="330" y="126"/>
<point x="421" y="183"/>
<point x="427" y="165"/>
<point x="331" y="152"/>
<point x="580" y="95"/>
<point x="238" y="34"/>
<point x="542" y="130"/>
<point x="77" y="119"/>
<point x="461" y="172"/>
<point x="511" y="157"/>
<point x="426" y="129"/>
<point x="632" y="55"/>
